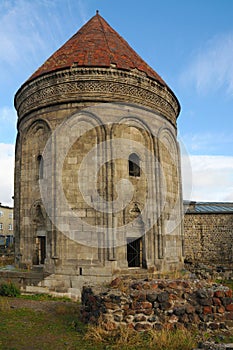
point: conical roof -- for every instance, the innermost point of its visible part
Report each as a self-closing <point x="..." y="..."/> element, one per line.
<point x="96" y="44"/>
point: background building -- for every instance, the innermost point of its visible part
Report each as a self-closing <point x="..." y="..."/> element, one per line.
<point x="208" y="228"/>
<point x="6" y="225"/>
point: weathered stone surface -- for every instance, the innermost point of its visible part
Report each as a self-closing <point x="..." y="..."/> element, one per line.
<point x="194" y="307"/>
<point x="189" y="309"/>
<point x="152" y="297"/>
<point x="163" y="297"/>
<point x="208" y="239"/>
<point x="179" y="311"/>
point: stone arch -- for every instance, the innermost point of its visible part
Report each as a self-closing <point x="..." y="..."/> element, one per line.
<point x="41" y="228"/>
<point x="140" y="142"/>
<point x="137" y="123"/>
<point x="86" y="132"/>
<point x="170" y="191"/>
<point x="38" y="213"/>
<point x="135" y="130"/>
<point x="168" y="151"/>
<point x="91" y="132"/>
<point x="35" y="137"/>
<point x="35" y="126"/>
<point x="166" y="134"/>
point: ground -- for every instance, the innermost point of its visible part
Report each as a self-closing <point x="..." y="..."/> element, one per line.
<point x="27" y="324"/>
<point x="40" y="325"/>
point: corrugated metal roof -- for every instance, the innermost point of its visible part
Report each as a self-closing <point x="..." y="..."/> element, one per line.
<point x="208" y="207"/>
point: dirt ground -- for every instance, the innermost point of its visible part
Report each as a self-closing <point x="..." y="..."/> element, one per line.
<point x="40" y="305"/>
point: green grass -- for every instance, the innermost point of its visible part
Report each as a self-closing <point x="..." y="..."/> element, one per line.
<point x="43" y="297"/>
<point x="27" y="329"/>
<point x="57" y="326"/>
<point x="228" y="283"/>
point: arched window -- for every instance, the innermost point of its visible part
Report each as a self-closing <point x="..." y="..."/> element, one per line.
<point x="134" y="165"/>
<point x="40" y="166"/>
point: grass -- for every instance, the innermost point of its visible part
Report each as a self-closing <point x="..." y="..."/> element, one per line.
<point x="28" y="329"/>
<point x="126" y="338"/>
<point x="43" y="297"/>
<point x="228" y="283"/>
<point x="59" y="328"/>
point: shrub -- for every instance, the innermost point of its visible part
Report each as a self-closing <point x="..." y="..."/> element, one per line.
<point x="9" y="290"/>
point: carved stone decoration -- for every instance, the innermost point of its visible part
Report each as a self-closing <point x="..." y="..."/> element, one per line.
<point x="96" y="84"/>
<point x="38" y="214"/>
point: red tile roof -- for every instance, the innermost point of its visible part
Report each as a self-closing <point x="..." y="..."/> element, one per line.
<point x="96" y="44"/>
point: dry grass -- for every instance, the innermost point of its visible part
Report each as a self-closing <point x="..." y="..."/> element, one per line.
<point x="127" y="338"/>
<point x="172" y="340"/>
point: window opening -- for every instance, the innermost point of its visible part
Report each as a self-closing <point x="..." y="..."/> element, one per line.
<point x="40" y="166"/>
<point x="134" y="165"/>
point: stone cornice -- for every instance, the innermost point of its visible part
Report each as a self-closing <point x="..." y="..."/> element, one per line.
<point x="96" y="85"/>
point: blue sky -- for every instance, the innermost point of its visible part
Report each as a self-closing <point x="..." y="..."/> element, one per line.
<point x="188" y="43"/>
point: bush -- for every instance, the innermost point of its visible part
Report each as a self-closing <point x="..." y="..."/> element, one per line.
<point x="9" y="290"/>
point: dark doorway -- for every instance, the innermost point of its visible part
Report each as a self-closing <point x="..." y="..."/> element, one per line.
<point x="134" y="252"/>
<point x="42" y="249"/>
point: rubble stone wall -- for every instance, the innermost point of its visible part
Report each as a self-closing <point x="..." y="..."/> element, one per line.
<point x="156" y="304"/>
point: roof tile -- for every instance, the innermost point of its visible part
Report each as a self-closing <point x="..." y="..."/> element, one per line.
<point x="96" y="44"/>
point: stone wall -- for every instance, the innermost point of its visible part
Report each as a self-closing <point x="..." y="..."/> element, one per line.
<point x="209" y="238"/>
<point x="156" y="304"/>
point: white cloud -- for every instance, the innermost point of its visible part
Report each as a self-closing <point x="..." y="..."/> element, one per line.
<point x="212" y="178"/>
<point x="6" y="173"/>
<point x="212" y="67"/>
<point x="31" y="31"/>
<point x="209" y="142"/>
<point x="205" y="178"/>
<point x="17" y="31"/>
<point x="8" y="114"/>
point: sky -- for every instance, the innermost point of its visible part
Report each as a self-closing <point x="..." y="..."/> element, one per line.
<point x="188" y="43"/>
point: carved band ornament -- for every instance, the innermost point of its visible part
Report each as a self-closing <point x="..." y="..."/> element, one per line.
<point x="96" y="84"/>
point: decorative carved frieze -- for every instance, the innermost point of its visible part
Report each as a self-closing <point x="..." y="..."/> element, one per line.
<point x="96" y="84"/>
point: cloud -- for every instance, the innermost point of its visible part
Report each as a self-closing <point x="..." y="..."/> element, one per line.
<point x="209" y="142"/>
<point x="8" y="114"/>
<point x="212" y="66"/>
<point x="6" y="173"/>
<point x="8" y="118"/>
<point x="18" y="29"/>
<point x="205" y="178"/>
<point x="31" y="31"/>
<point x="212" y="178"/>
